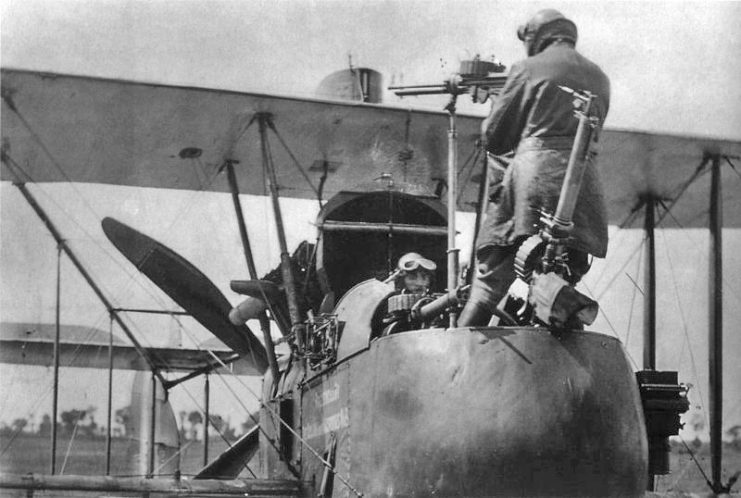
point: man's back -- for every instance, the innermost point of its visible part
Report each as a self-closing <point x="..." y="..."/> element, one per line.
<point x="551" y="111"/>
<point x="532" y="105"/>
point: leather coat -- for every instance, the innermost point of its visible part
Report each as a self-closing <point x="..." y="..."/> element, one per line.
<point x="535" y="119"/>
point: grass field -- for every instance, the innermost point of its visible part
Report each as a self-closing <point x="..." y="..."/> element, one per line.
<point x="87" y="457"/>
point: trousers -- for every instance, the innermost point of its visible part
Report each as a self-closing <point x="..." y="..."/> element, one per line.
<point x="495" y="272"/>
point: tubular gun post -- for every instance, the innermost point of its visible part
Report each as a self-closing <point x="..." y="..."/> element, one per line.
<point x="542" y="289"/>
<point x="558" y="226"/>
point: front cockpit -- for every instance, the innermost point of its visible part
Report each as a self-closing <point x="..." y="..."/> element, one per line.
<point x="379" y="260"/>
<point x="363" y="233"/>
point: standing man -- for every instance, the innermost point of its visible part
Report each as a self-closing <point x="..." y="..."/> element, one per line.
<point x="534" y="118"/>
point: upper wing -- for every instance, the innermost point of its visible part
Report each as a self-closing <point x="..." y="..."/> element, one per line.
<point x="672" y="169"/>
<point x="105" y="131"/>
<point x="81" y="129"/>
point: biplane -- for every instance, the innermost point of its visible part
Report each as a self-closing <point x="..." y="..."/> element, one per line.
<point x="357" y="405"/>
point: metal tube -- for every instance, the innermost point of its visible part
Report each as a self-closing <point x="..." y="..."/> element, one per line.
<point x="483" y="202"/>
<point x="716" y="324"/>
<point x="247" y="248"/>
<point x="152" y="426"/>
<point x="649" y="308"/>
<point x="110" y="402"/>
<point x="452" y="195"/>
<point x="184" y="487"/>
<point x="285" y="262"/>
<point x="55" y="393"/>
<point x="207" y="416"/>
<point x="153" y="312"/>
<point x="359" y="226"/>
<point x="71" y="255"/>
<point x="574" y="171"/>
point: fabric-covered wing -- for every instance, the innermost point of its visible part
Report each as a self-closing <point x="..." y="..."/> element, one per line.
<point x="634" y="165"/>
<point x="72" y="128"/>
<point x="115" y="132"/>
<point x="87" y="355"/>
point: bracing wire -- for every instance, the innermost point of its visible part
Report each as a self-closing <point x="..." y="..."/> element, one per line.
<point x="295" y="161"/>
<point x="105" y="251"/>
<point x="633" y="300"/>
<point x="701" y="169"/>
<point x="221" y="434"/>
<point x="602" y="312"/>
<point x="684" y="328"/>
<point x="733" y="166"/>
<point x="57" y="165"/>
<point x="43" y="146"/>
<point x="220" y="376"/>
<point x="615" y="241"/>
<point x="620" y="271"/>
<point x="43" y="395"/>
<point x="281" y="421"/>
<point x="132" y="276"/>
<point x="726" y="282"/>
<point x="473" y="159"/>
<point x="699" y="467"/>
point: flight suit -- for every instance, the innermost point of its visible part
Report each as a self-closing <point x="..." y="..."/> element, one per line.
<point x="535" y="118"/>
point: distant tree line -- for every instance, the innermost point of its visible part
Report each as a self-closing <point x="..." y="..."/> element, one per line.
<point x="82" y="423"/>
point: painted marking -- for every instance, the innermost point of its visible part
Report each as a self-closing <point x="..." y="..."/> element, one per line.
<point x="332" y="423"/>
<point x="330" y="394"/>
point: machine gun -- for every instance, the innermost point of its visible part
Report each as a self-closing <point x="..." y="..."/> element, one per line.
<point x="478" y="77"/>
<point x="541" y="292"/>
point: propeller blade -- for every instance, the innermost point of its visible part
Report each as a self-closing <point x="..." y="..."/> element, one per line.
<point x="188" y="287"/>
<point x="230" y="463"/>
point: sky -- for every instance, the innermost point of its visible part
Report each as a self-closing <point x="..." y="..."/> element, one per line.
<point x="674" y="68"/>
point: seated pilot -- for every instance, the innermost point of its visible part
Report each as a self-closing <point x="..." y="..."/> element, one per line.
<point x="413" y="280"/>
<point x="414" y="274"/>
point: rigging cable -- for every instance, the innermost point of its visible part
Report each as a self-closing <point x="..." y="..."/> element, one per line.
<point x="11" y="104"/>
<point x="701" y="169"/>
<point x="636" y="289"/>
<point x="43" y="395"/>
<point x="271" y="125"/>
<point x="132" y="276"/>
<point x="621" y="270"/>
<point x="733" y="166"/>
<point x="473" y="160"/>
<point x="699" y="467"/>
<point x="236" y="396"/>
<point x="726" y="283"/>
<point x="675" y="286"/>
<point x="303" y="442"/>
<point x="283" y="422"/>
<point x="220" y="433"/>
<point x="612" y="328"/>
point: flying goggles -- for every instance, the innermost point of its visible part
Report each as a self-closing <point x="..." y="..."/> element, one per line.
<point x="412" y="261"/>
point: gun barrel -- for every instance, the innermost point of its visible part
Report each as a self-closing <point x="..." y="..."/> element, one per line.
<point x="457" y="84"/>
<point x="421" y="90"/>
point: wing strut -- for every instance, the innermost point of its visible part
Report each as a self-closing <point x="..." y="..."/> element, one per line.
<point x="263" y="318"/>
<point x="73" y="258"/>
<point x="63" y="246"/>
<point x="265" y="120"/>
<point x="715" y="328"/>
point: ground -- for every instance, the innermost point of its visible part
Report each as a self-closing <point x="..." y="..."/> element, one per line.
<point x="87" y="457"/>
